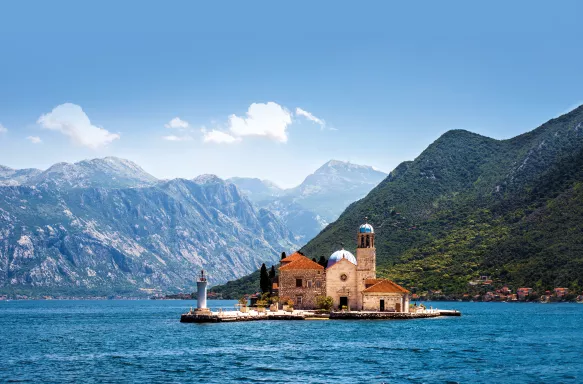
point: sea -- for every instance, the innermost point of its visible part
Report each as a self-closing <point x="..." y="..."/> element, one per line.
<point x="142" y="341"/>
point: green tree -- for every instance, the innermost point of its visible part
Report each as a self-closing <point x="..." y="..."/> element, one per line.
<point x="243" y="301"/>
<point x="324" y="302"/>
<point x="283" y="255"/>
<point x="264" y="282"/>
<point x="272" y="273"/>
<point x="323" y="262"/>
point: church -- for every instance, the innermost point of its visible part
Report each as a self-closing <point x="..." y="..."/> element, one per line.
<point x="350" y="281"/>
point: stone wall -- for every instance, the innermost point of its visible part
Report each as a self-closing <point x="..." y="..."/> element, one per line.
<point x="336" y="287"/>
<point x="371" y="301"/>
<point x="288" y="289"/>
<point x="366" y="258"/>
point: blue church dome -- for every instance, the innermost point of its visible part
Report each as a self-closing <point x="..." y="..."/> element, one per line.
<point x="339" y="255"/>
<point x="366" y="228"/>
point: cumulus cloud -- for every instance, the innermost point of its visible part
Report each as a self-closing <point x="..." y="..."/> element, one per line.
<point x="176" y="138"/>
<point x="3" y="129"/>
<point x="70" y="120"/>
<point x="34" y="139"/>
<point x="269" y="120"/>
<point x="177" y="123"/>
<point x="309" y="116"/>
<point x="218" y="137"/>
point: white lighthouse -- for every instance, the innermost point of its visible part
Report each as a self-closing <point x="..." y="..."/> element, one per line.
<point x="201" y="284"/>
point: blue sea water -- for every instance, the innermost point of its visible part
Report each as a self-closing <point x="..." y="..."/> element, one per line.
<point x="143" y="341"/>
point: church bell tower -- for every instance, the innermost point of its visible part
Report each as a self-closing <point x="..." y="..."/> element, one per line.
<point x="366" y="253"/>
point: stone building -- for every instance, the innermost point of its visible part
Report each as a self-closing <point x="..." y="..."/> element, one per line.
<point x="301" y="280"/>
<point x="350" y="281"/>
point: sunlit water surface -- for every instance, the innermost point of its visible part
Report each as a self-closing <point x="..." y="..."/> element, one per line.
<point x="143" y="341"/>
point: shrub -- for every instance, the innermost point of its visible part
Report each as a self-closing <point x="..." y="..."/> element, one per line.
<point x="324" y="302"/>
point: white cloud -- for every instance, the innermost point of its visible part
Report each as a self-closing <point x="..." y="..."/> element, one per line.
<point x="177" y="138"/>
<point x="3" y="129"/>
<point x="309" y="116"/>
<point x="178" y="123"/>
<point x="269" y="120"/>
<point x="70" y="120"/>
<point x="218" y="137"/>
<point x="34" y="139"/>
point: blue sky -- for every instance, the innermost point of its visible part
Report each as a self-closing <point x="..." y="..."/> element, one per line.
<point x="376" y="82"/>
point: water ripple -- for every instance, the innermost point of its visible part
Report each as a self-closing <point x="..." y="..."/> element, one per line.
<point x="142" y="341"/>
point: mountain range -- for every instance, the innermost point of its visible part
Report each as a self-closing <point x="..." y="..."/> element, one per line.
<point x="318" y="200"/>
<point x="106" y="226"/>
<point x="471" y="206"/>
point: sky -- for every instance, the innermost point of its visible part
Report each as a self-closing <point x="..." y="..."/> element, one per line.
<point x="273" y="89"/>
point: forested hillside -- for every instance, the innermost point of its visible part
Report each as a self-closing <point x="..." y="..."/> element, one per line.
<point x="471" y="205"/>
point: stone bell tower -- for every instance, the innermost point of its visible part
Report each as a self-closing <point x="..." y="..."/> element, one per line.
<point x="366" y="251"/>
<point x="366" y="256"/>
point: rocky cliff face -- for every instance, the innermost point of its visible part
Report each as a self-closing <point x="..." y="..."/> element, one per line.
<point x="106" y="226"/>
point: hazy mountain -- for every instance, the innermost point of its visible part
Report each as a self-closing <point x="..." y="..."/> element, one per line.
<point x="9" y="176"/>
<point x="333" y="186"/>
<point x="106" y="226"/>
<point x="318" y="200"/>
<point x="259" y="191"/>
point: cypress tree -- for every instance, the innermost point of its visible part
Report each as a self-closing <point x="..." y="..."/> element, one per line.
<point x="323" y="262"/>
<point x="264" y="282"/>
<point x="283" y="256"/>
<point x="272" y="273"/>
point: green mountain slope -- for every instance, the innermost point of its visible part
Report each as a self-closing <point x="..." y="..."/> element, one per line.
<point x="471" y="205"/>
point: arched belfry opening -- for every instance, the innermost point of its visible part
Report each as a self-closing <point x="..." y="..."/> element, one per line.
<point x="365" y="236"/>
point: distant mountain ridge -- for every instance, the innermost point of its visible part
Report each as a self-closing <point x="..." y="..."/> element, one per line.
<point x="109" y="172"/>
<point x="256" y="189"/>
<point x="318" y="200"/>
<point x="106" y="226"/>
<point x="9" y="176"/>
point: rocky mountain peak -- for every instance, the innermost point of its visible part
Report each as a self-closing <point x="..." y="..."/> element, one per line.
<point x="208" y="179"/>
<point x="102" y="172"/>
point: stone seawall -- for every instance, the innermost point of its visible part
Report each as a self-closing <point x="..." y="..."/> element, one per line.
<point x="195" y="318"/>
<point x="227" y="317"/>
<point x="381" y="315"/>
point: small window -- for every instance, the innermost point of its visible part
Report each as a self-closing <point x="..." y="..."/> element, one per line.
<point x="299" y="301"/>
<point x="318" y="284"/>
<point x="299" y="283"/>
<point x="309" y="283"/>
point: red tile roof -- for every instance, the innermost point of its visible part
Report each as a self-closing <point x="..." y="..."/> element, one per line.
<point x="386" y="286"/>
<point x="293" y="257"/>
<point x="300" y="262"/>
